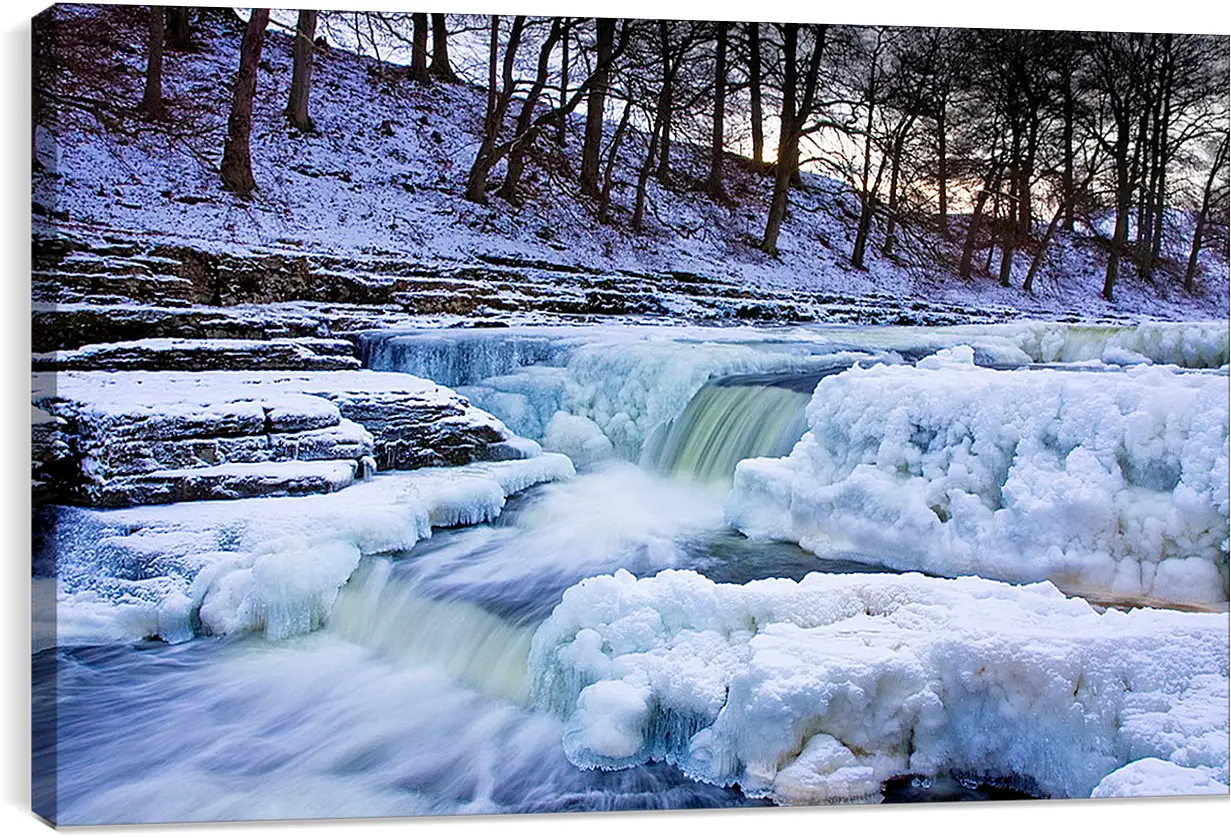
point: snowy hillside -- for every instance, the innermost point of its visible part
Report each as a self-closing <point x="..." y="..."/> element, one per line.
<point x="384" y="177"/>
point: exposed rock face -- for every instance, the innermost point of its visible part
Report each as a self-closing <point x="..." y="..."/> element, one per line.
<point x="203" y="355"/>
<point x="92" y="288"/>
<point x="130" y="438"/>
<point x="410" y="431"/>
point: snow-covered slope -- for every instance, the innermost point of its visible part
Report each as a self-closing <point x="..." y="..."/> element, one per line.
<point x="384" y="176"/>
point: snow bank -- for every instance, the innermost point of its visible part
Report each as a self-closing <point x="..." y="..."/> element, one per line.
<point x="1111" y="484"/>
<point x="271" y="565"/>
<point x="821" y="690"/>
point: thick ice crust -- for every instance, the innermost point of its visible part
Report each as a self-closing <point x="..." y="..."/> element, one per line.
<point x="1113" y="484"/>
<point x="821" y="690"/>
<point x="271" y="565"/>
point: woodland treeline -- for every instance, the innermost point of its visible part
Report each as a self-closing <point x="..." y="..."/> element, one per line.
<point x="994" y="140"/>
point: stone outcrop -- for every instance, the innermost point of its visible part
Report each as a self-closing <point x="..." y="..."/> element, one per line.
<point x="202" y="355"/>
<point x="130" y="438"/>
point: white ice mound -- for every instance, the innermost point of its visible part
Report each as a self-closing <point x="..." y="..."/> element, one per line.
<point x="823" y="689"/>
<point x="270" y="565"/>
<point x="1154" y="777"/>
<point x="578" y="438"/>
<point x="1113" y="484"/>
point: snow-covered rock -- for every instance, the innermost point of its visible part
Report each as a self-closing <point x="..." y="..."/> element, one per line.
<point x="1111" y="484"/>
<point x="821" y="690"/>
<point x="201" y="355"/>
<point x="270" y="564"/>
<point x="161" y="437"/>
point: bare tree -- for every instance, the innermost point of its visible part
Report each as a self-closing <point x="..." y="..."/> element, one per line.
<point x="1199" y="224"/>
<point x="795" y="112"/>
<point x="604" y="46"/>
<point x="440" y="67"/>
<point x="754" y="93"/>
<point x="498" y="99"/>
<point x="237" y="155"/>
<point x="179" y="27"/>
<point x="152" y="106"/>
<point x="717" y="137"/>
<point x="301" y="75"/>
<point x="517" y="155"/>
<point x="418" y="53"/>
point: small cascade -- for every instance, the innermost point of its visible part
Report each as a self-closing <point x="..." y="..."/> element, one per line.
<point x="391" y="617"/>
<point x="731" y="419"/>
<point x="459" y="357"/>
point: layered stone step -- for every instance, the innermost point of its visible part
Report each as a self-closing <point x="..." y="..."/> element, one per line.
<point x="130" y="438"/>
<point x="229" y="482"/>
<point x="204" y="354"/>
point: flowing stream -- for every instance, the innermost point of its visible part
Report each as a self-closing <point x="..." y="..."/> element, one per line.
<point x="414" y="698"/>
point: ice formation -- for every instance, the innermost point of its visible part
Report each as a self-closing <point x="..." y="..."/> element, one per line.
<point x="821" y="690"/>
<point x="271" y="565"/>
<point x="1113" y="484"/>
<point x="1184" y="344"/>
<point x="577" y="437"/>
<point x="632" y="381"/>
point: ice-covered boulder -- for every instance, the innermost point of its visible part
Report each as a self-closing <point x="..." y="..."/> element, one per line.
<point x="821" y="690"/>
<point x="1112" y="484"/>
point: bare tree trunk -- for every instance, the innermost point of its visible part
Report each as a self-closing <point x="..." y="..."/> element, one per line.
<point x="1025" y="206"/>
<point x="604" y="203"/>
<point x="562" y="128"/>
<point x="418" y="54"/>
<point x="1158" y="185"/>
<point x="440" y="67"/>
<point x="972" y="234"/>
<point x="643" y="176"/>
<point x="720" y="106"/>
<point x="1062" y="209"/>
<point x="1010" y="230"/>
<point x="891" y="223"/>
<point x="665" y="103"/>
<point x="179" y="34"/>
<point x="867" y="193"/>
<point x="1190" y="273"/>
<point x="788" y="140"/>
<point x="863" y="232"/>
<point x="236" y="169"/>
<point x="991" y="184"/>
<point x="590" y="152"/>
<point x="1067" y="195"/>
<point x="151" y="100"/>
<point x="1041" y="253"/>
<point x="301" y="75"/>
<point x="517" y="156"/>
<point x="754" y="92"/>
<point x="942" y="168"/>
<point x="1124" y="205"/>
<point x="497" y="106"/>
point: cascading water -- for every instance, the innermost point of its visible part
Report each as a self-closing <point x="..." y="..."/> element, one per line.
<point x="729" y="420"/>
